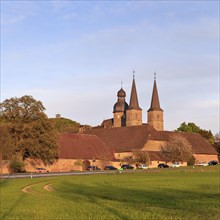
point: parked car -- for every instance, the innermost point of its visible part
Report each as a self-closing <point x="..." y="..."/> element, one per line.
<point x="212" y="162"/>
<point x="127" y="167"/>
<point x="205" y="164"/>
<point x="91" y="168"/>
<point x="110" y="168"/>
<point x="163" y="165"/>
<point x="176" y="164"/>
<point x="41" y="170"/>
<point x="142" y="166"/>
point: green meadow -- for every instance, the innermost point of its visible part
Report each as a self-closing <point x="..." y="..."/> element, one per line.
<point x="182" y="193"/>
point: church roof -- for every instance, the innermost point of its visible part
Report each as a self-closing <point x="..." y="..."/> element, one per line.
<point x="107" y="123"/>
<point x="134" y="99"/>
<point x="83" y="146"/>
<point x="155" y="104"/>
<point x="121" y="93"/>
<point x="120" y="106"/>
<point x="126" y="139"/>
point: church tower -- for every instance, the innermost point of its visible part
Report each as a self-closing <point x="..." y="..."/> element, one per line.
<point x="134" y="112"/>
<point x="119" y="110"/>
<point x="155" y="113"/>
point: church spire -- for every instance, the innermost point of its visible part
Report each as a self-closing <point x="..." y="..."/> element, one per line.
<point x="134" y="99"/>
<point x="134" y="112"/>
<point x="155" y="103"/>
<point x="155" y="113"/>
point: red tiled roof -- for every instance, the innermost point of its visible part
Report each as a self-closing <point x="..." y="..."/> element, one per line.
<point x="123" y="139"/>
<point x="199" y="144"/>
<point x="82" y="146"/>
<point x="126" y="139"/>
<point x="156" y="156"/>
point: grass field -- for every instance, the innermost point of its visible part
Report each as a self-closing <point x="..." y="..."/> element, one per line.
<point x="182" y="193"/>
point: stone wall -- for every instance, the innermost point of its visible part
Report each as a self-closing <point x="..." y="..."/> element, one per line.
<point x="205" y="157"/>
<point x="62" y="165"/>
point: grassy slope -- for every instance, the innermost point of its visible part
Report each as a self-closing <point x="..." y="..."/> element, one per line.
<point x="184" y="193"/>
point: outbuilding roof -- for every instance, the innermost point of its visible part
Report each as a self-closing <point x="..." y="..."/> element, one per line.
<point x="199" y="144"/>
<point x="83" y="146"/>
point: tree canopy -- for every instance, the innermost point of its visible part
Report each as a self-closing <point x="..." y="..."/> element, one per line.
<point x="140" y="157"/>
<point x="177" y="149"/>
<point x="7" y="147"/>
<point x="31" y="130"/>
<point x="65" y="125"/>
<point x="192" y="127"/>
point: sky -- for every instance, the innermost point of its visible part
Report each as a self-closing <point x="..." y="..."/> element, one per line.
<point x="74" y="55"/>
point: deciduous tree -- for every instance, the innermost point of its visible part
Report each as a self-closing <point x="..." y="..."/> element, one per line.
<point x="7" y="145"/>
<point x="177" y="149"/>
<point x="33" y="133"/>
<point x="65" y="125"/>
<point x="192" y="127"/>
<point x="141" y="157"/>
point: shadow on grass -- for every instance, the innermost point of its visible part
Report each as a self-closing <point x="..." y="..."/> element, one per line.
<point x="196" y="204"/>
<point x="3" y="183"/>
<point x="13" y="207"/>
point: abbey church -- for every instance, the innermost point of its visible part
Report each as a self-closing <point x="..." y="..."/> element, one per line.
<point x="131" y="115"/>
<point x="125" y="132"/>
<point x="118" y="137"/>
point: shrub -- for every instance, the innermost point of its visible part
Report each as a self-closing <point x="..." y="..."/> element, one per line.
<point x="177" y="149"/>
<point x="17" y="165"/>
<point x="191" y="161"/>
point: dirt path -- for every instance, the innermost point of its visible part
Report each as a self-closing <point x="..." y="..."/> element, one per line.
<point x="27" y="188"/>
<point x="48" y="188"/>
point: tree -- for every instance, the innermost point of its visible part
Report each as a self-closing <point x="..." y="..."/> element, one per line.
<point x="7" y="145"/>
<point x="65" y="125"/>
<point x="141" y="157"/>
<point x="32" y="132"/>
<point x="207" y="135"/>
<point x="190" y="127"/>
<point x="17" y="165"/>
<point x="217" y="137"/>
<point x="177" y="149"/>
<point x="217" y="143"/>
<point x="193" y="128"/>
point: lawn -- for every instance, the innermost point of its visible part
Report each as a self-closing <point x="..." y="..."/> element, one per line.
<point x="178" y="193"/>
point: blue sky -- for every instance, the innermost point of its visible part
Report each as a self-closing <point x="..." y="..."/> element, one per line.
<point x="73" y="55"/>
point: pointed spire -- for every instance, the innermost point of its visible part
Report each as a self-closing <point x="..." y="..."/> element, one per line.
<point x="134" y="99"/>
<point x="155" y="104"/>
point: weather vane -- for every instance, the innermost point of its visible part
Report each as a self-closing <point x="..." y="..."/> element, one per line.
<point x="155" y="74"/>
<point x="133" y="73"/>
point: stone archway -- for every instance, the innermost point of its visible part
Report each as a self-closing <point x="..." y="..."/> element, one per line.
<point x="85" y="165"/>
